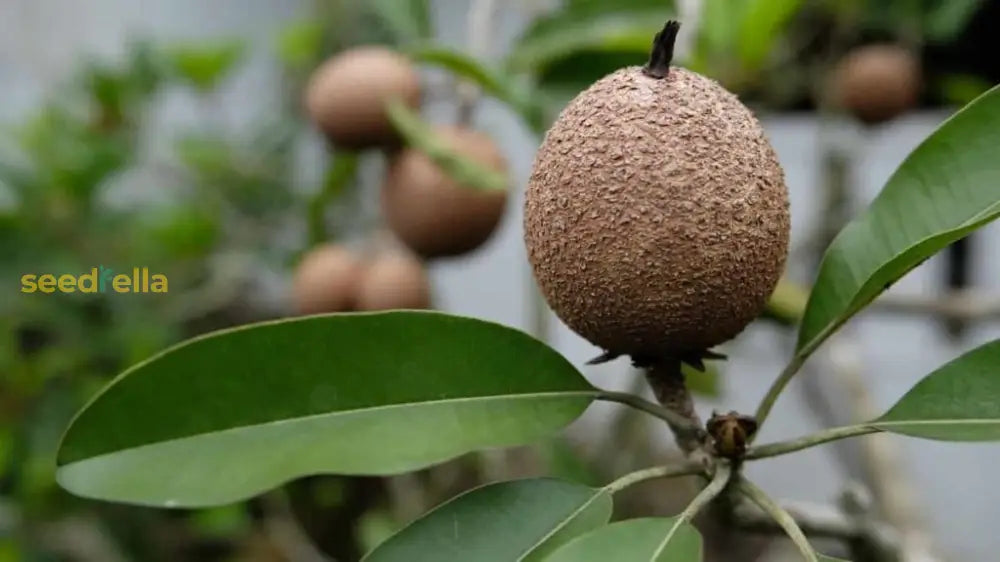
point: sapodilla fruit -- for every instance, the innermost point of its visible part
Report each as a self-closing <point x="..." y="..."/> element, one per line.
<point x="656" y="215"/>
<point x="430" y="212"/>
<point x="394" y="281"/>
<point x="876" y="83"/>
<point x="347" y="95"/>
<point x="326" y="280"/>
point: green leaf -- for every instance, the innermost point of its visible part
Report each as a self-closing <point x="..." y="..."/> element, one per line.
<point x="961" y="89"/>
<point x="407" y="20"/>
<point x="225" y="416"/>
<point x="634" y="540"/>
<point x="761" y="26"/>
<point x="706" y="383"/>
<point x="949" y="18"/>
<point x="494" y="82"/>
<point x="205" y="66"/>
<point x="603" y="7"/>
<point x="948" y="187"/>
<point x="823" y="558"/>
<point x="463" y="170"/>
<point x="957" y="402"/>
<point x="299" y="44"/>
<point x="339" y="175"/>
<point x="563" y="35"/>
<point x="522" y="521"/>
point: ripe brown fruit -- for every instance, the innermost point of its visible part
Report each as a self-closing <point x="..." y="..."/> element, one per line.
<point x="433" y="214"/>
<point x="394" y="281"/>
<point x="326" y="280"/>
<point x="656" y="215"/>
<point x="346" y="96"/>
<point x="877" y="83"/>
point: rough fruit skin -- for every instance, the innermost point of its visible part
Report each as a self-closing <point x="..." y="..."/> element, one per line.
<point x="877" y="83"/>
<point x="393" y="282"/>
<point x="346" y="96"/>
<point x="429" y="211"/>
<point x="326" y="280"/>
<point x="656" y="215"/>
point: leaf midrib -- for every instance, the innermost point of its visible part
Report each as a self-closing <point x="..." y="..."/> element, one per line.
<point x="856" y="304"/>
<point x="563" y="523"/>
<point x="946" y="421"/>
<point x="332" y="414"/>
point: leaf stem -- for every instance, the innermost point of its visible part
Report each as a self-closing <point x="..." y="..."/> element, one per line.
<point x="653" y="472"/>
<point x="805" y="442"/>
<point x="723" y="472"/>
<point x="672" y="418"/>
<point x="342" y="171"/>
<point x="779" y="384"/>
<point x="780" y="516"/>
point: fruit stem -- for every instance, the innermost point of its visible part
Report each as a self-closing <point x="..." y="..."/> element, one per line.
<point x="663" y="51"/>
<point x="666" y="378"/>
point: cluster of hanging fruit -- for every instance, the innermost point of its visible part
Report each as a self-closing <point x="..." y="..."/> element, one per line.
<point x="429" y="213"/>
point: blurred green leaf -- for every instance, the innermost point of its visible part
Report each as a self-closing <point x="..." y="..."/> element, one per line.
<point x="634" y="540"/>
<point x="946" y="188"/>
<point x="563" y="460"/>
<point x="107" y="87"/>
<point x="407" y="20"/>
<point x="9" y="551"/>
<point x="147" y="68"/>
<point x="706" y="383"/>
<point x="494" y="82"/>
<point x="957" y="402"/>
<point x="562" y="35"/>
<point x="69" y="156"/>
<point x="204" y="66"/>
<point x="570" y="50"/>
<point x="375" y="527"/>
<point x="184" y="232"/>
<point x="603" y="6"/>
<point x="761" y="27"/>
<point x="227" y="415"/>
<point x="961" y="89"/>
<point x="521" y="520"/>
<point x="299" y="44"/>
<point x="223" y="522"/>
<point x="948" y="18"/>
<point x="339" y="175"/>
<point x="720" y="25"/>
<point x="209" y="155"/>
<point x="6" y="445"/>
<point x="420" y="136"/>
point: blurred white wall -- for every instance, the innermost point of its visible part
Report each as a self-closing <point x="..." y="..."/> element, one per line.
<point x="40" y="40"/>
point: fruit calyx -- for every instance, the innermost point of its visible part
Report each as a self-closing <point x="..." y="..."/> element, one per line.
<point x="694" y="359"/>
<point x="663" y="51"/>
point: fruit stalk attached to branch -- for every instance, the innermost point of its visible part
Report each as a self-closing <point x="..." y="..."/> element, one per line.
<point x="667" y="381"/>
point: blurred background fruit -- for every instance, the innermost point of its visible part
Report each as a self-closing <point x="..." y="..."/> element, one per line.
<point x="346" y="96"/>
<point x="432" y="212"/>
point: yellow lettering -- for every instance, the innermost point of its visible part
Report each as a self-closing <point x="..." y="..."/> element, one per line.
<point x="159" y="283"/>
<point x="121" y="283"/>
<point x="47" y="283"/>
<point x="67" y="283"/>
<point x="91" y="282"/>
<point x="28" y="284"/>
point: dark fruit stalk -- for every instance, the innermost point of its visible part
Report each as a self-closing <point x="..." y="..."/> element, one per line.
<point x="663" y="51"/>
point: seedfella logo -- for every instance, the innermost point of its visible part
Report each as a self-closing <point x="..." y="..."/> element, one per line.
<point x="98" y="280"/>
